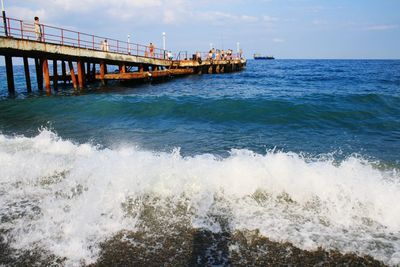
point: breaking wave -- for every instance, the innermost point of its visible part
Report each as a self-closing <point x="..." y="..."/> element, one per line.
<point x="67" y="198"/>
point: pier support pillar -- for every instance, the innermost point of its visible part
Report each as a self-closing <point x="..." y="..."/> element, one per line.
<point x="81" y="75"/>
<point x="27" y="75"/>
<point x="73" y="77"/>
<point x="210" y="69"/>
<point x="217" y="68"/>
<point x="55" y="75"/>
<point x="88" y="75"/>
<point x="39" y="74"/>
<point x="102" y="72"/>
<point x="64" y="72"/>
<point x="122" y="68"/>
<point x="10" y="74"/>
<point x="93" y="73"/>
<point x="46" y="74"/>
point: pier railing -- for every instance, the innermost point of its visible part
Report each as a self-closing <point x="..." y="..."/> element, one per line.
<point x="50" y="34"/>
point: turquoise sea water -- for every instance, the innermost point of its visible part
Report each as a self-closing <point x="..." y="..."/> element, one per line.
<point x="325" y="132"/>
<point x="313" y="107"/>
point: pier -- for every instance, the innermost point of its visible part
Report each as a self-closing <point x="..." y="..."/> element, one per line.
<point x="80" y="58"/>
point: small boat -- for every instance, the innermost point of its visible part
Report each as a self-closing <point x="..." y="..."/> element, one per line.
<point x="259" y="56"/>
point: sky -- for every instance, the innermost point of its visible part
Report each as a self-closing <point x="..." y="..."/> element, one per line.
<point x="294" y="29"/>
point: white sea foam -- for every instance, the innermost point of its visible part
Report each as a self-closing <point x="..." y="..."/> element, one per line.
<point x="66" y="198"/>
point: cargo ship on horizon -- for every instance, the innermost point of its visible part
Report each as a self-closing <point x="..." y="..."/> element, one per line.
<point x="260" y="57"/>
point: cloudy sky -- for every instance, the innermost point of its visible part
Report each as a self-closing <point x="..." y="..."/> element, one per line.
<point x="283" y="28"/>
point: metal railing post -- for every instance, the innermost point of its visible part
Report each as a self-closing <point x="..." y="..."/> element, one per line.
<point x="93" y="41"/>
<point x="62" y="36"/>
<point x="9" y="27"/>
<point x="79" y="39"/>
<point x="22" y="29"/>
<point x="43" y="34"/>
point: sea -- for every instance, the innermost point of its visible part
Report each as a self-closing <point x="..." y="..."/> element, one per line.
<point x="288" y="162"/>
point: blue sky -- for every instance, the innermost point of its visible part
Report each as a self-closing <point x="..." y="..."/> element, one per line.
<point x="283" y="28"/>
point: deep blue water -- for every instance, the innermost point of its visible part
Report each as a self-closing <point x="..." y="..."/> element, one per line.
<point x="314" y="107"/>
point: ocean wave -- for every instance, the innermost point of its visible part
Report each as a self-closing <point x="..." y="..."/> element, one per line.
<point x="67" y="198"/>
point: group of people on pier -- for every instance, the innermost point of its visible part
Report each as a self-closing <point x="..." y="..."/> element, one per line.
<point x="217" y="54"/>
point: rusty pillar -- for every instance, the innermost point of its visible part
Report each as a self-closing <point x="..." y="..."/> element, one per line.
<point x="27" y="75"/>
<point x="73" y="77"/>
<point x="55" y="75"/>
<point x="46" y="74"/>
<point x="39" y="74"/>
<point x="217" y="68"/>
<point x="210" y="69"/>
<point x="81" y="74"/>
<point x="122" y="68"/>
<point x="10" y="74"/>
<point x="140" y="68"/>
<point x="222" y="68"/>
<point x="103" y="68"/>
<point x="64" y="72"/>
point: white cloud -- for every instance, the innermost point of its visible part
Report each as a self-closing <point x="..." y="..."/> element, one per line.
<point x="222" y="17"/>
<point x="278" y="40"/>
<point x="26" y="13"/>
<point x="270" y="19"/>
<point x="319" y="22"/>
<point x="382" y="27"/>
<point x="169" y="17"/>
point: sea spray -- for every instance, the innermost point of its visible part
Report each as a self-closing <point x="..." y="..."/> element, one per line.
<point x="67" y="198"/>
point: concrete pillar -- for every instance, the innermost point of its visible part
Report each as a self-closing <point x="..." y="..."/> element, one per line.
<point x="10" y="74"/>
<point x="39" y="74"/>
<point x="93" y="75"/>
<point x="73" y="77"/>
<point x="88" y="76"/>
<point x="64" y="72"/>
<point x="27" y="75"/>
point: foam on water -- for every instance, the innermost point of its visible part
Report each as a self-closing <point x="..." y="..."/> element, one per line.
<point x="67" y="198"/>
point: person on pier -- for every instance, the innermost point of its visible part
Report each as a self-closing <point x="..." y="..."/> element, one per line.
<point x="151" y="48"/>
<point x="104" y="46"/>
<point x="38" y="30"/>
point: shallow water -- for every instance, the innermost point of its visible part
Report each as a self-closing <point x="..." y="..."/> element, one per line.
<point x="305" y="152"/>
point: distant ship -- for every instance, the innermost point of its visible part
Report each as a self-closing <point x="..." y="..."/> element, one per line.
<point x="259" y="56"/>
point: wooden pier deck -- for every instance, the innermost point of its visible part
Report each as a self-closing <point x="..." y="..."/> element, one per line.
<point x="87" y="58"/>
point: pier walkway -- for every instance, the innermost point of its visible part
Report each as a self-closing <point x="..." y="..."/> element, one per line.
<point x="87" y="58"/>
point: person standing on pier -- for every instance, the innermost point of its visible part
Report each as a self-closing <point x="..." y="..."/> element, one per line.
<point x="151" y="48"/>
<point x="38" y="30"/>
<point x="104" y="46"/>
